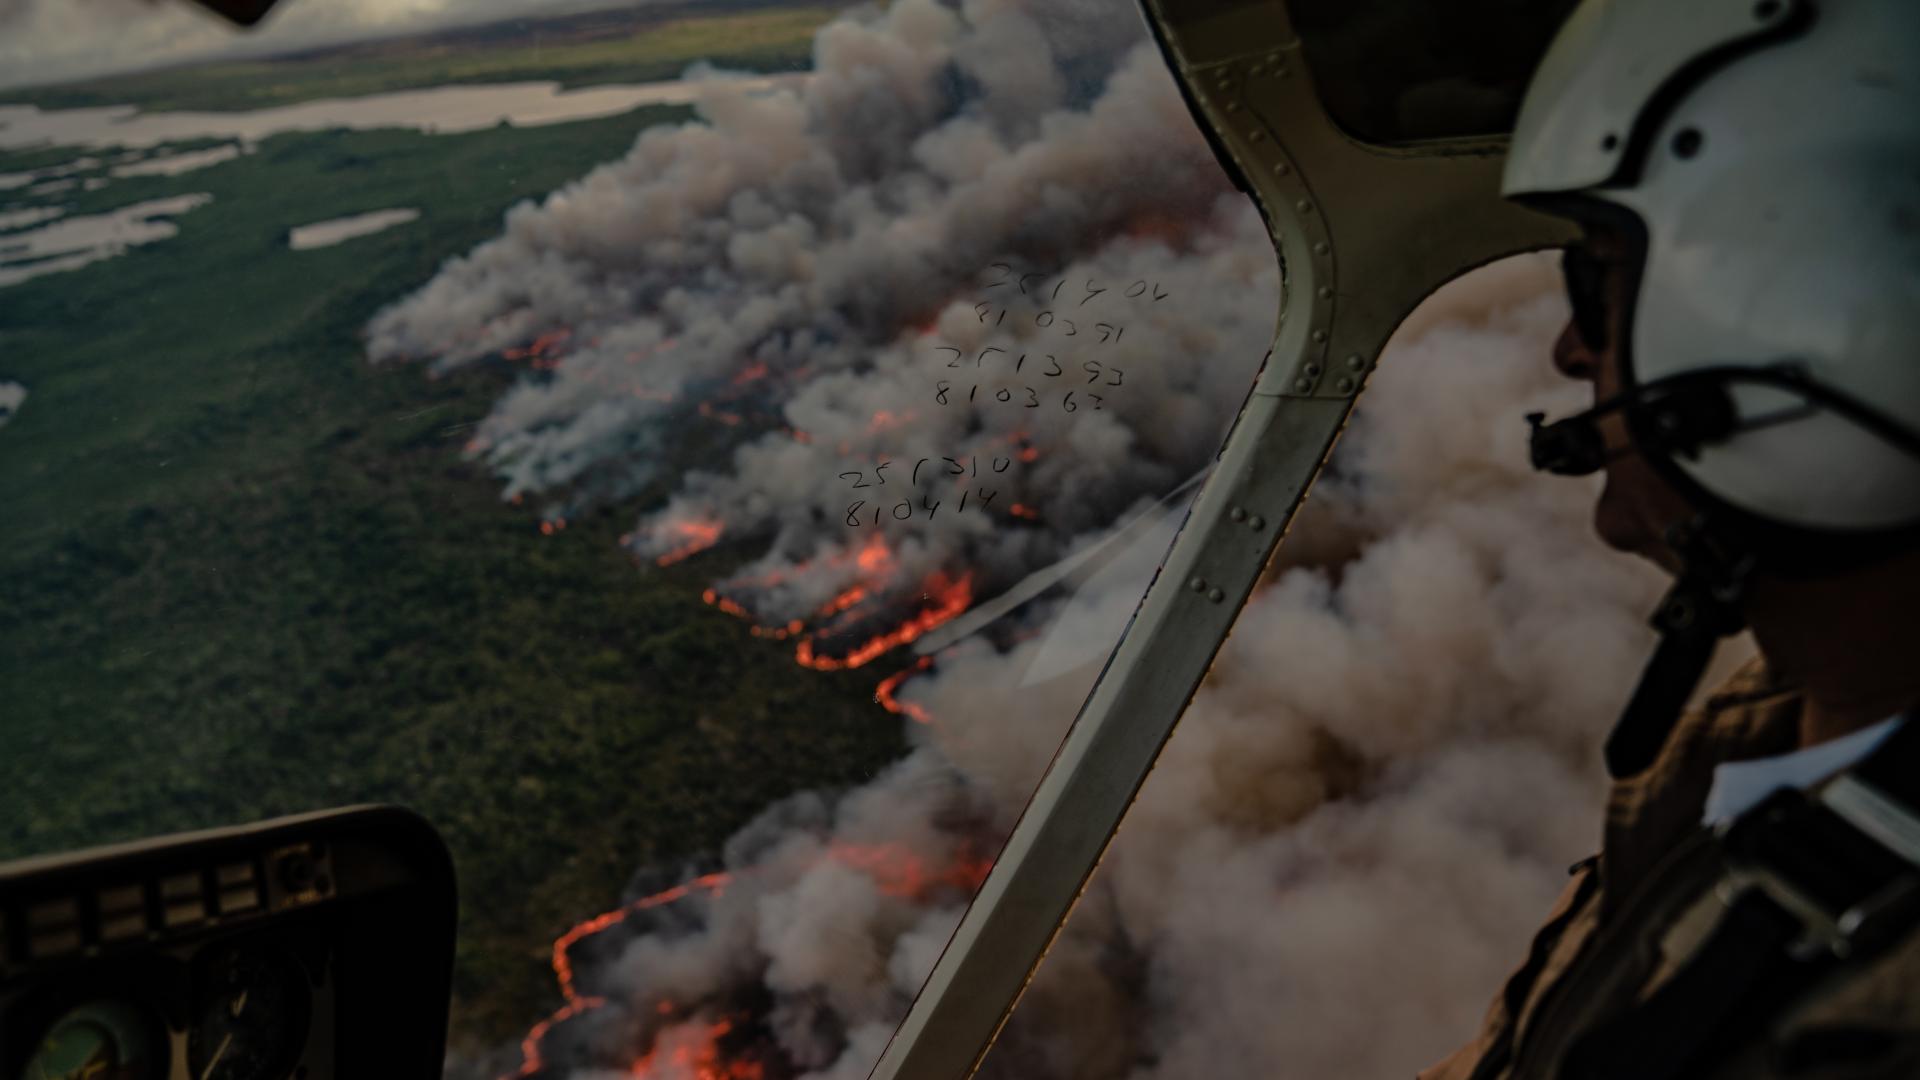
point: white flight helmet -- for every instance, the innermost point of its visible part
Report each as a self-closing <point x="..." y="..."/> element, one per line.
<point x="1766" y="153"/>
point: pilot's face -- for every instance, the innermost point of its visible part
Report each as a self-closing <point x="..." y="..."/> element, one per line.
<point x="1636" y="506"/>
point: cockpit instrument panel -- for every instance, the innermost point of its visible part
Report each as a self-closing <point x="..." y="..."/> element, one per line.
<point x="303" y="948"/>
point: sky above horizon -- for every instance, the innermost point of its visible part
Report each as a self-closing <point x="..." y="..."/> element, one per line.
<point x="46" y="41"/>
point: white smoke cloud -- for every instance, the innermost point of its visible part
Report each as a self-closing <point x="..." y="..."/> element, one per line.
<point x="12" y="396"/>
<point x="832" y="236"/>
<point x="1375" y="793"/>
<point x="1341" y="851"/>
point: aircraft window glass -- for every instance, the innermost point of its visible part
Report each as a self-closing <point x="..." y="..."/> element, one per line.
<point x="1389" y="71"/>
<point x="706" y="498"/>
<point x="1394" y="757"/>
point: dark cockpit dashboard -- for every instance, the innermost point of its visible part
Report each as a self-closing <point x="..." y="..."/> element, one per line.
<point x="310" y="947"/>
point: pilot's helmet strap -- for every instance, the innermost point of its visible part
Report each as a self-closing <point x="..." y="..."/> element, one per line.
<point x="1703" y="606"/>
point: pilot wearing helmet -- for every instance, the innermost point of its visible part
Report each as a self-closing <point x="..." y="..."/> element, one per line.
<point x="1746" y="304"/>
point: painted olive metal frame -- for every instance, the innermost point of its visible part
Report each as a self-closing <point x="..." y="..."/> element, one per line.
<point x="1363" y="233"/>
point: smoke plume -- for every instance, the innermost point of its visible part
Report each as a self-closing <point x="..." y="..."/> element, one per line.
<point x="1374" y="795"/>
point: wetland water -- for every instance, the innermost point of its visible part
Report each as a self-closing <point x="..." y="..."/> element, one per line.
<point x="39" y="236"/>
<point x="436" y="110"/>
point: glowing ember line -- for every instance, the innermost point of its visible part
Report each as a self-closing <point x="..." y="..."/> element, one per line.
<point x="874" y="556"/>
<point x="844" y="601"/>
<point x="714" y="599"/>
<point x="693" y="1053"/>
<point x="900" y="873"/>
<point x="700" y="536"/>
<point x="541" y="352"/>
<point x="951" y="598"/>
<point x="530" y="1060"/>
<point x="884" y="693"/>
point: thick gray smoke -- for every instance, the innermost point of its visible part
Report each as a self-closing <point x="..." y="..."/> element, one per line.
<point x="1375" y="793"/>
<point x="812" y="248"/>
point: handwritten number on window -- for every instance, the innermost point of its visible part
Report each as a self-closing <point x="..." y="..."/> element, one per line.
<point x="859" y="479"/>
<point x="1067" y="403"/>
<point x="1033" y="399"/>
<point x="941" y="391"/>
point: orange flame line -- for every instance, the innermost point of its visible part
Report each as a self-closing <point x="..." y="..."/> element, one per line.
<point x="542" y="351"/>
<point x="899" y="873"/>
<point x="701" y="1062"/>
<point x="953" y="598"/>
<point x="894" y="870"/>
<point x="912" y="710"/>
<point x="530" y="1060"/>
<point x="844" y="601"/>
<point x="714" y="599"/>
<point x="873" y="555"/>
<point x="700" y="535"/>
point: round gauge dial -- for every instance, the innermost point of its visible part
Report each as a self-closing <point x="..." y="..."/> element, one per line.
<point x="250" y="1018"/>
<point x="101" y="1040"/>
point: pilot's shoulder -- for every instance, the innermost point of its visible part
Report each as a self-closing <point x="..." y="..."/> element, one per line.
<point x="1753" y="713"/>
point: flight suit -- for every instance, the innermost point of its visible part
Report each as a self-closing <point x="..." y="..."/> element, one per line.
<point x="1633" y="915"/>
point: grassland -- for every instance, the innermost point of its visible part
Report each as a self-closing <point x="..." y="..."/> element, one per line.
<point x="243" y="572"/>
<point x="652" y="43"/>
